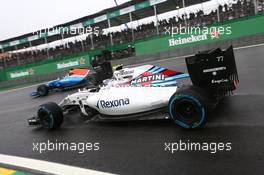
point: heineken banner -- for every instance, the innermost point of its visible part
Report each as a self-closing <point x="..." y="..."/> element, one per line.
<point x="197" y="36"/>
<point x="81" y="61"/>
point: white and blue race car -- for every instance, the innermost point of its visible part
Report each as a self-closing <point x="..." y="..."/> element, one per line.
<point x="150" y="92"/>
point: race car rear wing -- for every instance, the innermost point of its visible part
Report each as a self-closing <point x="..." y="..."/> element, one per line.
<point x="214" y="70"/>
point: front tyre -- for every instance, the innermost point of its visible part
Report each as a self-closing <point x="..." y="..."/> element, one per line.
<point x="189" y="107"/>
<point x="43" y="90"/>
<point x="50" y="115"/>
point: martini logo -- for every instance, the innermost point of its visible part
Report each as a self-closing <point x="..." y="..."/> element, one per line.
<point x="187" y="40"/>
<point x="22" y="73"/>
<point x="144" y="79"/>
<point x="112" y="104"/>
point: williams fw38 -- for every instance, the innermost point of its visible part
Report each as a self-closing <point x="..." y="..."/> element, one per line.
<point x="153" y="92"/>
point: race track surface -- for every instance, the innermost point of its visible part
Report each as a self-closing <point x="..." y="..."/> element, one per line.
<point x="137" y="147"/>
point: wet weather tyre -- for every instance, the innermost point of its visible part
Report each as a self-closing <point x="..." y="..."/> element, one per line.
<point x="50" y="115"/>
<point x="43" y="90"/>
<point x="189" y="107"/>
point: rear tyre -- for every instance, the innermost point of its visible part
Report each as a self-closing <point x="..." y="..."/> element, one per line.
<point x="43" y="90"/>
<point x="50" y="115"/>
<point x="189" y="107"/>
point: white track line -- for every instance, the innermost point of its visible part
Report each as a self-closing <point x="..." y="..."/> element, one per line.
<point x="157" y="61"/>
<point x="12" y="90"/>
<point x="47" y="167"/>
<point x="250" y="46"/>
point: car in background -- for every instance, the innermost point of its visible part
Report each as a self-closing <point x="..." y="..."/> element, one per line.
<point x="91" y="77"/>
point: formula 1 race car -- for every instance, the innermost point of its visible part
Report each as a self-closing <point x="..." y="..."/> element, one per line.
<point x="75" y="78"/>
<point x="100" y="70"/>
<point x="213" y="75"/>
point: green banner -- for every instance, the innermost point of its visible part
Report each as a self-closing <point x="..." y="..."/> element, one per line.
<point x="142" y="5"/>
<point x="205" y="35"/>
<point x="80" y="61"/>
<point x="113" y="14"/>
<point x="50" y="66"/>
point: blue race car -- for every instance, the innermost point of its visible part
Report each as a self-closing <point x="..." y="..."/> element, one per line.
<point x="76" y="78"/>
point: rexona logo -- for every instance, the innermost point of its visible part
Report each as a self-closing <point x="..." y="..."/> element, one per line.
<point x="187" y="40"/>
<point x="112" y="103"/>
<point x="68" y="64"/>
<point x="22" y="73"/>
